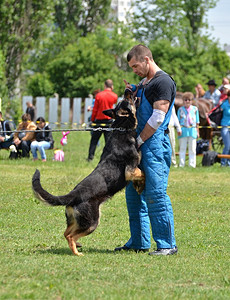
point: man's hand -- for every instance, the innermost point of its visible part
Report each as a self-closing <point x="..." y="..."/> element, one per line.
<point x="2" y="139"/>
<point x="127" y="84"/>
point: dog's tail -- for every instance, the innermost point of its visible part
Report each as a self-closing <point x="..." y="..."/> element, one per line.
<point x="46" y="197"/>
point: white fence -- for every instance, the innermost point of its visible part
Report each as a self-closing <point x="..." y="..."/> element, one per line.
<point x="65" y="114"/>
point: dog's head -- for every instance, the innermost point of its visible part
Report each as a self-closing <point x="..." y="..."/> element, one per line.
<point x="124" y="113"/>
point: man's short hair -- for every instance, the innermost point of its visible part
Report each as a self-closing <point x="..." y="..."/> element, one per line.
<point x="139" y="52"/>
<point x="109" y="83"/>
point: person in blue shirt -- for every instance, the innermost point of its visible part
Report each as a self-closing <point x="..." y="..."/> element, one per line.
<point x="225" y="130"/>
<point x="213" y="94"/>
<point x="188" y="116"/>
<point x="156" y="92"/>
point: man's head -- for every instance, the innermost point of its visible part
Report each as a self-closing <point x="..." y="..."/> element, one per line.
<point x="29" y="104"/>
<point x="139" y="52"/>
<point x="225" y="81"/>
<point x="211" y="85"/>
<point x="26" y="118"/>
<point x="139" y="58"/>
<point x="109" y="84"/>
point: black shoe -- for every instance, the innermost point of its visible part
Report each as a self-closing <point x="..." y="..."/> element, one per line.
<point x="168" y="251"/>
<point x="89" y="159"/>
<point x="125" y="248"/>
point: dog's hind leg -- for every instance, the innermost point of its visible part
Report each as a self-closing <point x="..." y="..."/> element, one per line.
<point x="72" y="239"/>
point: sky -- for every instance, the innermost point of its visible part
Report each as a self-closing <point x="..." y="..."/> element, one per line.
<point x="219" y="19"/>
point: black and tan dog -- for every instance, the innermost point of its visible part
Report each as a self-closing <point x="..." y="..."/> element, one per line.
<point x="117" y="166"/>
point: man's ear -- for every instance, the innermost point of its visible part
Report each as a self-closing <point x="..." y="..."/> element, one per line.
<point x="109" y="112"/>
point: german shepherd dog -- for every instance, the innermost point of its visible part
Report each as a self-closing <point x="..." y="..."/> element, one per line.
<point x="117" y="166"/>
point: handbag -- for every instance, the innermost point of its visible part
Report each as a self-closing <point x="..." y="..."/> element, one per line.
<point x="215" y="115"/>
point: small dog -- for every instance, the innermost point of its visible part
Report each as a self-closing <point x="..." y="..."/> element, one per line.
<point x="117" y="166"/>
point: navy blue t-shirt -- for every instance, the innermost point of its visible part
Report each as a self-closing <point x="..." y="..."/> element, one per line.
<point x="160" y="87"/>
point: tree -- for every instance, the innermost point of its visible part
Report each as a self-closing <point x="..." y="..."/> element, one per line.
<point x="83" y="67"/>
<point x="178" y="21"/>
<point x="84" y="16"/>
<point x="188" y="69"/>
<point x="3" y="88"/>
<point x="22" y="22"/>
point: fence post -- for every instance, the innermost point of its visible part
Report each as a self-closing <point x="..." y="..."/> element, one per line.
<point x="76" y="121"/>
<point x="53" y="112"/>
<point x="87" y="114"/>
<point x="65" y="107"/>
<point x="40" y="107"/>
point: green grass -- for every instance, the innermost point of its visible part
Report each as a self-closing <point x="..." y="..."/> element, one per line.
<point x="36" y="262"/>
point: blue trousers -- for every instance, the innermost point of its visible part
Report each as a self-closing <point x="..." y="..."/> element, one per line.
<point x="225" y="133"/>
<point x="41" y="147"/>
<point x="153" y="207"/>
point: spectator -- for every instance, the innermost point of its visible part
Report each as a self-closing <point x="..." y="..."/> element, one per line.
<point x="44" y="139"/>
<point x="157" y="92"/>
<point x="174" y="123"/>
<point x="6" y="138"/>
<point x="213" y="94"/>
<point x="225" y="130"/>
<point x="22" y="140"/>
<point x="224" y="82"/>
<point x="224" y="95"/>
<point x="30" y="110"/>
<point x="188" y="116"/>
<point x="199" y="91"/>
<point x="90" y="108"/>
<point x="103" y="100"/>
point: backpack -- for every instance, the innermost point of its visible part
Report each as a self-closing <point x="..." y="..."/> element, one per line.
<point x="201" y="146"/>
<point x="209" y="158"/>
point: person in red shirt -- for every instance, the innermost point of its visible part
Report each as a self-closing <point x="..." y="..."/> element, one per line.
<point x="103" y="100"/>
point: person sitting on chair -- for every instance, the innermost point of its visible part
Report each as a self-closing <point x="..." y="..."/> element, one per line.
<point x="6" y="138"/>
<point x="44" y="139"/>
<point x="22" y="138"/>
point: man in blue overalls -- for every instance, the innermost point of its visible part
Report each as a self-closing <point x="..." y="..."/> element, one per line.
<point x="153" y="207"/>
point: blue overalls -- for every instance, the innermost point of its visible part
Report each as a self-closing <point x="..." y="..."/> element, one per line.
<point x="153" y="206"/>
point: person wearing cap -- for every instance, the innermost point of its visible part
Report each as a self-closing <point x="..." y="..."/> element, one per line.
<point x="213" y="94"/>
<point x="224" y="93"/>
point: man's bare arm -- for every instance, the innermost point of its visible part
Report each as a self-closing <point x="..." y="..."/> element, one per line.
<point x="148" y="131"/>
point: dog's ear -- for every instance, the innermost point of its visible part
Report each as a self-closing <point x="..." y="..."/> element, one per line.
<point x="110" y="113"/>
<point x="128" y="93"/>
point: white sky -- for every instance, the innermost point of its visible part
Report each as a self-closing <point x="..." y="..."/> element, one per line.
<point x="219" y="19"/>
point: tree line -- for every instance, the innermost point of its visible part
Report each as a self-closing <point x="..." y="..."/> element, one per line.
<point x="70" y="47"/>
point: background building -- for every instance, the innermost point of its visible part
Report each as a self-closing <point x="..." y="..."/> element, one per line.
<point x="120" y="8"/>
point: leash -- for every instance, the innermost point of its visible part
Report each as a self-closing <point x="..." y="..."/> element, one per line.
<point x="77" y="129"/>
<point x="96" y="129"/>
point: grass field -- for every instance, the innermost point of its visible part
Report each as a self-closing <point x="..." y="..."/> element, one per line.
<point x="36" y="262"/>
